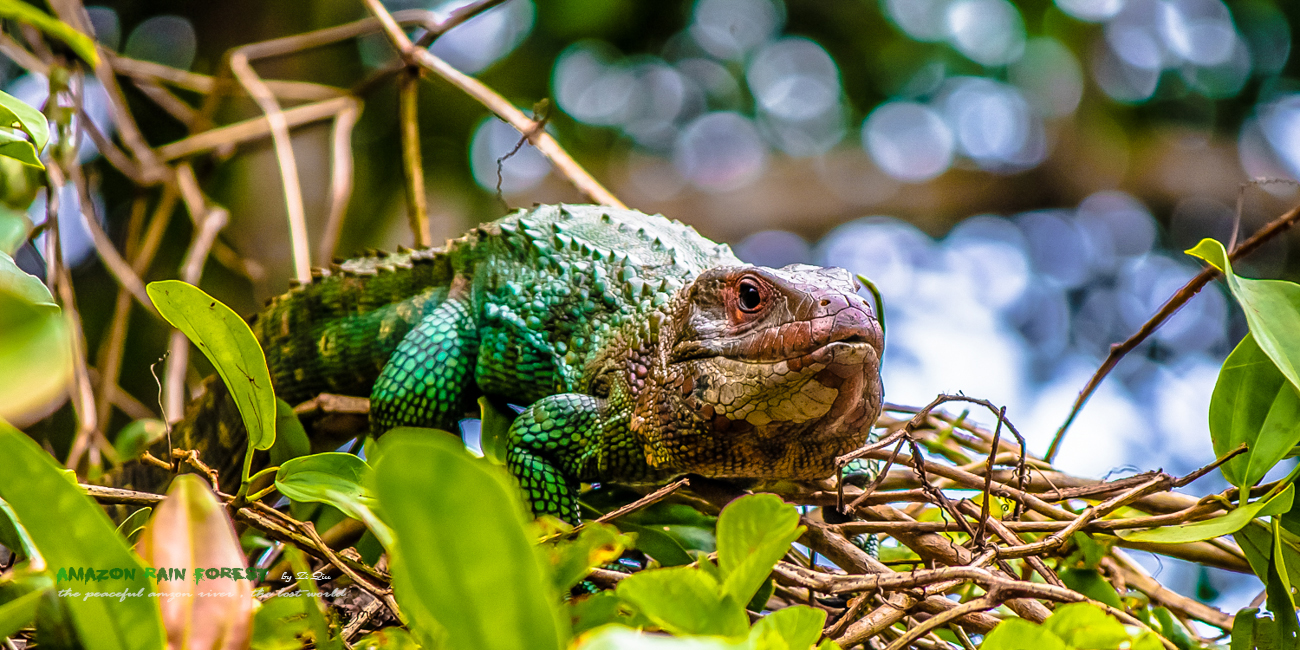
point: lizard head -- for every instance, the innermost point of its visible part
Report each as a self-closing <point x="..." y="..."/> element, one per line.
<point x="770" y="373"/>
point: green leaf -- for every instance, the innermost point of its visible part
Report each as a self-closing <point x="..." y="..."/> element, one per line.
<point x="137" y="436"/>
<point x="277" y="624"/>
<point x="1148" y="641"/>
<point x="336" y="479"/>
<point x="659" y="544"/>
<point x="389" y="638"/>
<point x="1277" y="561"/>
<point x="35" y="346"/>
<point x="16" y="114"/>
<point x="1086" y="626"/>
<point x="464" y="566"/>
<point x="791" y="628"/>
<point x="17" y="613"/>
<point x="617" y="637"/>
<point x="22" y="12"/>
<point x="229" y="344"/>
<point x="22" y="151"/>
<point x="573" y="559"/>
<point x="1272" y="309"/>
<point x="753" y="533"/>
<point x="14" y="227"/>
<point x="1216" y="527"/>
<point x="684" y="600"/>
<point x="291" y="439"/>
<point x="131" y="527"/>
<point x="1243" y="630"/>
<point x="1253" y="403"/>
<point x="493" y="426"/>
<point x="72" y="531"/>
<point x="1286" y="628"/>
<point x="14" y="537"/>
<point x="1090" y="583"/>
<point x="311" y="605"/>
<point x="1019" y="634"/>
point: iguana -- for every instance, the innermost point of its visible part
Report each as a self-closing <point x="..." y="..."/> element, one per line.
<point x="640" y="349"/>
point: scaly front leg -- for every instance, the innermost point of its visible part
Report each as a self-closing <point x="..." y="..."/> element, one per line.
<point x="561" y="441"/>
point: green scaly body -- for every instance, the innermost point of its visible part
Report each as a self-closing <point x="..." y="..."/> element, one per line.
<point x="629" y="337"/>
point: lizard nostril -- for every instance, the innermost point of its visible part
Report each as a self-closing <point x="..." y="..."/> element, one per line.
<point x="825" y="302"/>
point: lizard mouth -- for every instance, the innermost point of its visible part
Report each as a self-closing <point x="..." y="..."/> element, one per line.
<point x="746" y="350"/>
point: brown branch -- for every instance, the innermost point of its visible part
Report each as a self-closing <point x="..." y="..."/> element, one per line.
<point x="417" y="205"/>
<point x="498" y="105"/>
<point x="644" y="501"/>
<point x="1176" y="301"/>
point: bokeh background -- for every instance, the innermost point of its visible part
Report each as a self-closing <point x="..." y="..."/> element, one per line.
<point x="1018" y="178"/>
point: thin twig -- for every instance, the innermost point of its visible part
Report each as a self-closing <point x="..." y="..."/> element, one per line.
<point x="1193" y="286"/>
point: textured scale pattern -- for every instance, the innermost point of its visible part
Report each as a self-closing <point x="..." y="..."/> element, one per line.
<point x="640" y="348"/>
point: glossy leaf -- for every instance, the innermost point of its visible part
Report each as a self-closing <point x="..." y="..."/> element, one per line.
<point x="1286" y="627"/>
<point x="20" y="150"/>
<point x="35" y="349"/>
<point x="1272" y="309"/>
<point x="1019" y="634"/>
<point x="17" y="114"/>
<point x="753" y="533"/>
<point x="190" y="528"/>
<point x="226" y="340"/>
<point x="1253" y="403"/>
<point x="15" y="538"/>
<point x="658" y="544"/>
<point x="336" y="479"/>
<point x="70" y="530"/>
<point x="461" y="539"/>
<point x="1216" y="527"/>
<point x="137" y="436"/>
<point x="685" y="600"/>
<point x="1090" y="583"/>
<point x="1084" y="625"/>
<point x="790" y="628"/>
<point x="25" y="13"/>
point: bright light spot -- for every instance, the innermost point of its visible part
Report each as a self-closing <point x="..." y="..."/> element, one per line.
<point x="884" y="249"/>
<point x="908" y="140"/>
<point x="1091" y="10"/>
<point x="1056" y="246"/>
<point x="730" y="29"/>
<point x="924" y="20"/>
<point x="1280" y="124"/>
<point x="522" y="171"/>
<point x="720" y="151"/>
<point x="1224" y="80"/>
<point x="658" y="98"/>
<point x="993" y="123"/>
<point x="1050" y="77"/>
<point x="1117" y="226"/>
<point x="169" y="40"/>
<point x="485" y="38"/>
<point x="794" y="79"/>
<point x="1121" y="80"/>
<point x="1147" y="283"/>
<point x="990" y="32"/>
<point x="1198" y="31"/>
<point x="107" y="26"/>
<point x="589" y="86"/>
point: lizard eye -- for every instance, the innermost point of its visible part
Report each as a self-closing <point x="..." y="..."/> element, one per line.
<point x="748" y="296"/>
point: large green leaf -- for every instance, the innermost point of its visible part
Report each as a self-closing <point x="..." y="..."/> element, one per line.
<point x="790" y="628"/>
<point x="229" y="344"/>
<point x="1272" y="309"/>
<point x="1019" y="634"/>
<point x="1084" y="625"/>
<point x="336" y="479"/>
<point x="35" y="349"/>
<point x="14" y="227"/>
<point x="72" y="531"/>
<point x="461" y="536"/>
<point x="573" y="558"/>
<point x="753" y="533"/>
<point x="25" y="13"/>
<point x="685" y="600"/>
<point x="1216" y="527"/>
<point x="1253" y="403"/>
<point x="17" y="613"/>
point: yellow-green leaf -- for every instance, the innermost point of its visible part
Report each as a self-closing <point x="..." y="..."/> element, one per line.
<point x="1217" y="527"/>
<point x="229" y="344"/>
<point x="25" y="13"/>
